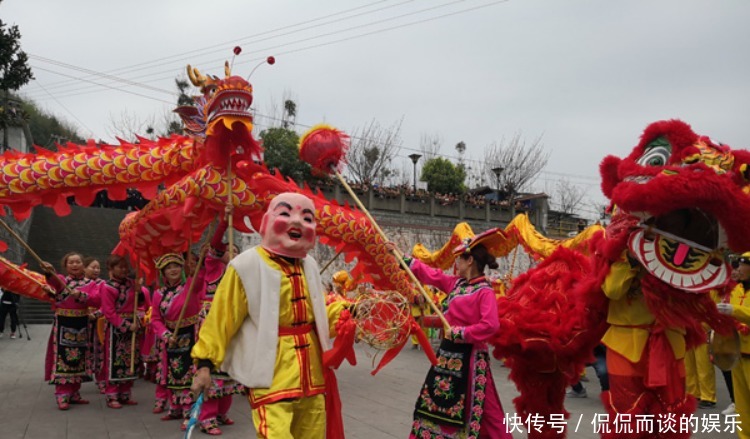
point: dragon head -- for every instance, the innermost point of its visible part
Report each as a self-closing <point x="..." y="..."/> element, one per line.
<point x="691" y="197"/>
<point x="222" y="115"/>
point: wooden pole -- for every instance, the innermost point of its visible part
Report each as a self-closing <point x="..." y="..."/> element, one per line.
<point x="27" y="247"/>
<point x="137" y="292"/>
<point x="21" y="241"/>
<point x="396" y="253"/>
<point x="192" y="281"/>
<point x="325" y="267"/>
<point x="230" y="202"/>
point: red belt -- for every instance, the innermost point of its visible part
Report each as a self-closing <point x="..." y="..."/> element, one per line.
<point x="295" y="330"/>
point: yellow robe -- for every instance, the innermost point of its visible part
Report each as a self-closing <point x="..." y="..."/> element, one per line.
<point x="298" y="368"/>
<point x="629" y="317"/>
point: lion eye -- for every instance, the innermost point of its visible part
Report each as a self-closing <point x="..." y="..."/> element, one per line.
<point x="657" y="156"/>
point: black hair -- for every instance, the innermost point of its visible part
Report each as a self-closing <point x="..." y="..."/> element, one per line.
<point x="482" y="257"/>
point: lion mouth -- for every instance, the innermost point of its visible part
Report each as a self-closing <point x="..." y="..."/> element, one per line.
<point x="680" y="249"/>
<point x="692" y="227"/>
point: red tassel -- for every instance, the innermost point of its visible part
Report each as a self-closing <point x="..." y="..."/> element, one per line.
<point x="343" y="344"/>
<point x="334" y="420"/>
<point x="423" y="341"/>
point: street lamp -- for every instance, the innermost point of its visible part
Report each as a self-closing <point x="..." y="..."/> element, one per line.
<point x="497" y="171"/>
<point x="414" y="159"/>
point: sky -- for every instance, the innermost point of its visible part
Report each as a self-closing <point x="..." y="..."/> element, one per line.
<point x="586" y="75"/>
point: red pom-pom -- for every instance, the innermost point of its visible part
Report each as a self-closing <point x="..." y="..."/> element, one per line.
<point x="271" y="60"/>
<point x="237" y="50"/>
<point x="324" y="148"/>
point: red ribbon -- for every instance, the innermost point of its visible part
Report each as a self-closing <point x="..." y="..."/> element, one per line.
<point x="391" y="353"/>
<point x="343" y="348"/>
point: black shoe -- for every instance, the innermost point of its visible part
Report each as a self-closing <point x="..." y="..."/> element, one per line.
<point x="706" y="404"/>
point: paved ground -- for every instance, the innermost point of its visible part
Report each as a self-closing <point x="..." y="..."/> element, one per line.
<point x="374" y="407"/>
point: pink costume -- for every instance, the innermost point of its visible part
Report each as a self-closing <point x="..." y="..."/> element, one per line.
<point x="218" y="398"/>
<point x="95" y="344"/>
<point x="175" y="369"/>
<point x="459" y="395"/>
<point x="68" y="362"/>
<point x="117" y="300"/>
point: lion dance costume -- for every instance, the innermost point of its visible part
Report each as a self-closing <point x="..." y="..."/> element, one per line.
<point x="680" y="201"/>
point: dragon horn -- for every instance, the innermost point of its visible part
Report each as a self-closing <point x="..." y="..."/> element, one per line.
<point x="227" y="69"/>
<point x="196" y="77"/>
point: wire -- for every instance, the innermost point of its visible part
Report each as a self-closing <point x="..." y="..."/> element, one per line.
<point x="70" y="112"/>
<point x="103" y="85"/>
<point x="374" y="32"/>
<point x="183" y="56"/>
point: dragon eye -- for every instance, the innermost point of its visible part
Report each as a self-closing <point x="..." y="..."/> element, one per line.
<point x="657" y="156"/>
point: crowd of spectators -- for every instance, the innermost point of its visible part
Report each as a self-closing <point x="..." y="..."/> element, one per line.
<point x="475" y="200"/>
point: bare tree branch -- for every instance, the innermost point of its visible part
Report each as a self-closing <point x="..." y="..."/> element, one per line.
<point x="521" y="163"/>
<point x="568" y="196"/>
<point x="430" y="145"/>
<point x="372" y="150"/>
<point x="128" y="125"/>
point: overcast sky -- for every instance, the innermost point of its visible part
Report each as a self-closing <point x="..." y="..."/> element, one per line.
<point x="587" y="75"/>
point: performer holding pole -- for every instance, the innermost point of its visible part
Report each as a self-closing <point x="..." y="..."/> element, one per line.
<point x="169" y="302"/>
<point x="68" y="362"/>
<point x="119" y="296"/>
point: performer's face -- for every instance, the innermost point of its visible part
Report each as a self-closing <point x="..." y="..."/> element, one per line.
<point x="92" y="270"/>
<point x="173" y="273"/>
<point x="742" y="272"/>
<point x="74" y="265"/>
<point x="120" y="271"/>
<point x="288" y="227"/>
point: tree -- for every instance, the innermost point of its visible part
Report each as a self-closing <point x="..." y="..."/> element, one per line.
<point x="290" y="113"/>
<point x="430" y="145"/>
<point x="372" y="151"/>
<point x="461" y="149"/>
<point x="568" y="196"/>
<point x="443" y="176"/>
<point x="128" y="125"/>
<point x="47" y="129"/>
<point x="281" y="152"/>
<point x="15" y="71"/>
<point x="521" y="163"/>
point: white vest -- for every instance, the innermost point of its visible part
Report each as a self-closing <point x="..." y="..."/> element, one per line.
<point x="251" y="354"/>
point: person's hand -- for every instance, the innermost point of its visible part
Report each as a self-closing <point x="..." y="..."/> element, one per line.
<point x="133" y="326"/>
<point x="201" y="381"/>
<point x="171" y="342"/>
<point x="392" y="247"/>
<point x="75" y="293"/>
<point x="47" y="268"/>
<point x="93" y="317"/>
<point x="725" y="308"/>
<point x="228" y="210"/>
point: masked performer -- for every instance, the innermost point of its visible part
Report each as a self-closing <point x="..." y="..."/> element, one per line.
<point x="269" y="326"/>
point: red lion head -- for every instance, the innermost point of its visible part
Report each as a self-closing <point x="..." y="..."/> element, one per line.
<point x="691" y="196"/>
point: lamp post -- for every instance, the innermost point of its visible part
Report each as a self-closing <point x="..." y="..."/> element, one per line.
<point x="497" y="171"/>
<point x="414" y="159"/>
